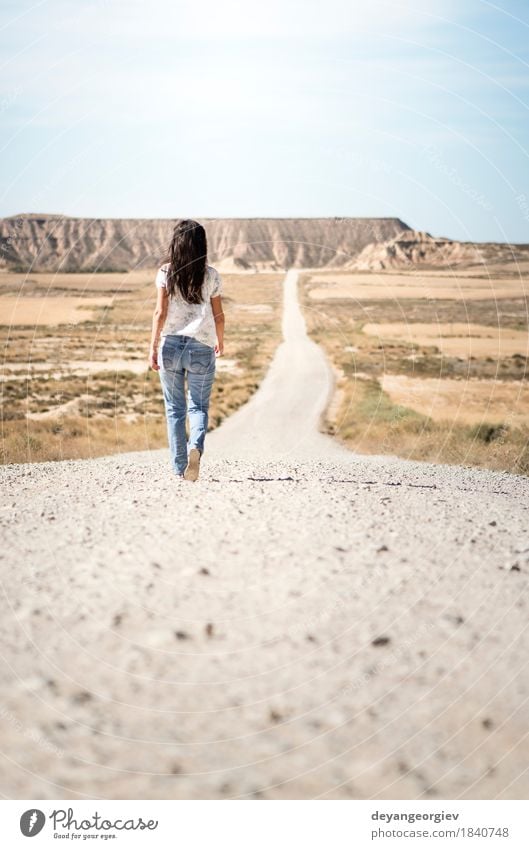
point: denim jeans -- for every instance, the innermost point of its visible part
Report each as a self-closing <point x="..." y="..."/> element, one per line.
<point x="181" y="357"/>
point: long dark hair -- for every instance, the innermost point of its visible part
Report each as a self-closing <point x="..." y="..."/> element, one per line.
<point x="187" y="259"/>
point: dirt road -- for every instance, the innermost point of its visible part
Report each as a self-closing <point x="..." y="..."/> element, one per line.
<point x="302" y="622"/>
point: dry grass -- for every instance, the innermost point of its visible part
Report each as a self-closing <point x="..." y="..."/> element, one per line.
<point x="87" y="391"/>
<point x="79" y="437"/>
<point x="461" y="401"/>
<point x="399" y="286"/>
<point x="457" y="338"/>
<point x="41" y="283"/>
<point x="368" y="421"/>
<point x="451" y="406"/>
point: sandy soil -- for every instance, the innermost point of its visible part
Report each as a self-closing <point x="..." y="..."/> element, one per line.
<point x="83" y="282"/>
<point x="43" y="311"/>
<point x="457" y="338"/>
<point x="29" y="371"/>
<point x="302" y="622"/>
<point x="461" y="401"/>
<point x="374" y="286"/>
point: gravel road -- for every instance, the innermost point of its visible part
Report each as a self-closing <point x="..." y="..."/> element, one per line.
<point x="303" y="622"/>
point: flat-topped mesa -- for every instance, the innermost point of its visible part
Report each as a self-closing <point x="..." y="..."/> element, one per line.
<point x="41" y="242"/>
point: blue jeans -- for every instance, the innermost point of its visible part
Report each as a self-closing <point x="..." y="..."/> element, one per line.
<point x="180" y="357"/>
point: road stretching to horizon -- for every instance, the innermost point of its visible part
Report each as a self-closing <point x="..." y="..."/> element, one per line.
<point x="303" y="622"/>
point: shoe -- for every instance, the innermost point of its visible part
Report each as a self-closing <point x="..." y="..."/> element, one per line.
<point x="193" y="465"/>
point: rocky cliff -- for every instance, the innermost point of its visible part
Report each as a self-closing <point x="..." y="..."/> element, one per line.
<point x="413" y="249"/>
<point x="58" y="243"/>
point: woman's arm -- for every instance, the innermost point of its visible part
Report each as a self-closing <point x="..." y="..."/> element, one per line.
<point x="218" y="315"/>
<point x="158" y="321"/>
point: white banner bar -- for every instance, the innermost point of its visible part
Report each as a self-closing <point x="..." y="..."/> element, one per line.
<point x="266" y="824"/>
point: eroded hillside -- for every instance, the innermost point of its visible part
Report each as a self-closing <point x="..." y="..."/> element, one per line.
<point x="58" y="243"/>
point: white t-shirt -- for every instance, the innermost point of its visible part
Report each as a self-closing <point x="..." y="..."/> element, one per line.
<point x="194" y="320"/>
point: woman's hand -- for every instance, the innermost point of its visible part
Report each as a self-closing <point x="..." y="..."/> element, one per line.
<point x="158" y="320"/>
<point x="153" y="359"/>
<point x="218" y="315"/>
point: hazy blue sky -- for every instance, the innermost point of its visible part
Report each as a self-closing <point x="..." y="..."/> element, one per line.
<point x="409" y="108"/>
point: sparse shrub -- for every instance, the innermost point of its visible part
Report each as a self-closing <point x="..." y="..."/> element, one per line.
<point x="488" y="432"/>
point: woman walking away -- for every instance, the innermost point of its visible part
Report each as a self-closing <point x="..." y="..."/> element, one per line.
<point x="189" y="319"/>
